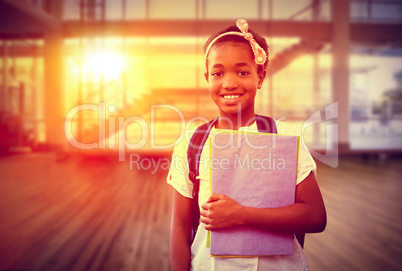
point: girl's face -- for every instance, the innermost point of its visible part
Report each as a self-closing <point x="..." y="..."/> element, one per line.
<point x="233" y="79"/>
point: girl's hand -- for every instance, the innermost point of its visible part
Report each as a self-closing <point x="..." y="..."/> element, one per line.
<point x="220" y="212"/>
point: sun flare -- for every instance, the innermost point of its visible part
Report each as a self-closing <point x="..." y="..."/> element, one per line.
<point x="107" y="64"/>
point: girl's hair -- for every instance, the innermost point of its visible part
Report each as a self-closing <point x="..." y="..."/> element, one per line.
<point x="234" y="38"/>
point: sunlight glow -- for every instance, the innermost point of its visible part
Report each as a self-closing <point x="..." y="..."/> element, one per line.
<point x="107" y="64"/>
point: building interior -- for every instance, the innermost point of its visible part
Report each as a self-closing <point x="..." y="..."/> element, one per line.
<point x="95" y="94"/>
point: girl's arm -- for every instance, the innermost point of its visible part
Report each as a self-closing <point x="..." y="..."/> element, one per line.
<point x="306" y="215"/>
<point x="180" y="232"/>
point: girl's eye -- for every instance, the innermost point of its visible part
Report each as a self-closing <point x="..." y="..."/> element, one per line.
<point x="244" y="73"/>
<point x="216" y="74"/>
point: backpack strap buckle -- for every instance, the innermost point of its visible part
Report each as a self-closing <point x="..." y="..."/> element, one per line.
<point x="192" y="176"/>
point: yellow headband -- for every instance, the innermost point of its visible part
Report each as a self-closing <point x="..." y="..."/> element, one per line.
<point x="259" y="54"/>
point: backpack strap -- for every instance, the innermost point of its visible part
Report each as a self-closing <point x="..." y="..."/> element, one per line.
<point x="196" y="144"/>
<point x="265" y="124"/>
<point x="194" y="151"/>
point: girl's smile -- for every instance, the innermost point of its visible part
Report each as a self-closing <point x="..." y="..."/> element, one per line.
<point x="230" y="97"/>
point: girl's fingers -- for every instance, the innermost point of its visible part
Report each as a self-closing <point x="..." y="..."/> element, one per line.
<point x="215" y="197"/>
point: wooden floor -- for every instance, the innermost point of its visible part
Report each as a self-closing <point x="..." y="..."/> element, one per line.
<point x="364" y="208"/>
<point x="98" y="214"/>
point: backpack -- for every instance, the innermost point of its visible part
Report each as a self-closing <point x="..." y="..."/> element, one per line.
<point x="197" y="142"/>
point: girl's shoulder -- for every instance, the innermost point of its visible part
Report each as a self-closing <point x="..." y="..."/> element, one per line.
<point x="185" y="140"/>
<point x="286" y="128"/>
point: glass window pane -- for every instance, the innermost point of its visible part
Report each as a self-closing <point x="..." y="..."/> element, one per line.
<point x="178" y="9"/>
<point x="375" y="101"/>
<point x="232" y="9"/>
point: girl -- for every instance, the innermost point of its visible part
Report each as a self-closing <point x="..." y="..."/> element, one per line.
<point x="236" y="61"/>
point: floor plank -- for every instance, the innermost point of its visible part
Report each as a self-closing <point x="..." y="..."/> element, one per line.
<point x="95" y="213"/>
<point x="364" y="229"/>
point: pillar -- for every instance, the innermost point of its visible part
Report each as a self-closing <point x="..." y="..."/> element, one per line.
<point x="340" y="10"/>
<point x="53" y="83"/>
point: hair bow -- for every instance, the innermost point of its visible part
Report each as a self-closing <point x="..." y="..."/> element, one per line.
<point x="259" y="54"/>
